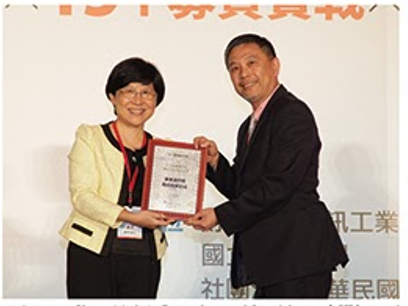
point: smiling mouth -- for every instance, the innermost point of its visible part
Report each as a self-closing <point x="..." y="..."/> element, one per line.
<point x="136" y="111"/>
<point x="247" y="85"/>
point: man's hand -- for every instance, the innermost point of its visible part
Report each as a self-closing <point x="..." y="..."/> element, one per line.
<point x="204" y="220"/>
<point x="212" y="150"/>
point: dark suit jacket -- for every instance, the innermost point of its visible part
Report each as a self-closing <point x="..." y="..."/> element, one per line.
<point x="281" y="228"/>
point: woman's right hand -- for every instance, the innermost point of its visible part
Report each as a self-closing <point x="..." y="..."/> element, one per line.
<point x="145" y="218"/>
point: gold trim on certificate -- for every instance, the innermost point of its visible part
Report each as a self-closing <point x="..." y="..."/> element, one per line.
<point x="174" y="179"/>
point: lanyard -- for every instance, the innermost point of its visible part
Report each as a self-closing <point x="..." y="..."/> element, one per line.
<point x="132" y="178"/>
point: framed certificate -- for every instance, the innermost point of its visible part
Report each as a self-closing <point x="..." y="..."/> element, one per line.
<point x="174" y="179"/>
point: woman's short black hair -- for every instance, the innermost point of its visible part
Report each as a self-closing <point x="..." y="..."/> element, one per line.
<point x="137" y="70"/>
<point x="262" y="42"/>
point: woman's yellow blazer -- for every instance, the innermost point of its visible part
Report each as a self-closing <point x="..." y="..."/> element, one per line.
<point x="95" y="178"/>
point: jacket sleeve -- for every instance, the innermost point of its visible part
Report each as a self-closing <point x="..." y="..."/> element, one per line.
<point x="84" y="177"/>
<point x="223" y="178"/>
<point x="291" y="153"/>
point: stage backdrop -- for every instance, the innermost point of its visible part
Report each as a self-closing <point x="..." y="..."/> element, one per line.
<point x="342" y="60"/>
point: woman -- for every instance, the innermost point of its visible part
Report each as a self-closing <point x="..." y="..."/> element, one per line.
<point x="115" y="248"/>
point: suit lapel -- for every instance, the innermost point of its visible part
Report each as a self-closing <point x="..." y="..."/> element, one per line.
<point x="242" y="150"/>
<point x="243" y="146"/>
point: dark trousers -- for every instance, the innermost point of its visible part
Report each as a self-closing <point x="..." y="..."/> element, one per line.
<point x="315" y="286"/>
<point x="90" y="275"/>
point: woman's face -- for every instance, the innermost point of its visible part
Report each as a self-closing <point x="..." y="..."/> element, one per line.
<point x="135" y="103"/>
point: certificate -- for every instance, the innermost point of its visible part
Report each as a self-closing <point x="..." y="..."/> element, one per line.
<point x="174" y="179"/>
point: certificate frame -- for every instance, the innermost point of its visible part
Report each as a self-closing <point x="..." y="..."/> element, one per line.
<point x="169" y="177"/>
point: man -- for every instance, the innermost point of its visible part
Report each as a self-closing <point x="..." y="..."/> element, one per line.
<point x="285" y="242"/>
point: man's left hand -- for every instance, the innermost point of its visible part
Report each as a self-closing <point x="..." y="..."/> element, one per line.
<point x="204" y="220"/>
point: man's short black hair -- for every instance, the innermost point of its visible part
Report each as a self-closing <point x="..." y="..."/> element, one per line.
<point x="262" y="42"/>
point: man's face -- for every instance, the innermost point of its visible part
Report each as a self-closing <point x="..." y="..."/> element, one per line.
<point x="253" y="73"/>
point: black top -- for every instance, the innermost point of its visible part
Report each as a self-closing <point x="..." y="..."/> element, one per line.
<point x="139" y="247"/>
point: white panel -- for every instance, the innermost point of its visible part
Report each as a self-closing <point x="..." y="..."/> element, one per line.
<point x="54" y="72"/>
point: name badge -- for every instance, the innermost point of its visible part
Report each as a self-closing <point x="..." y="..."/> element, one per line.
<point x="128" y="230"/>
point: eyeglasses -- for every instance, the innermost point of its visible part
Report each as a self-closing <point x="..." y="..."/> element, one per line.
<point x="130" y="93"/>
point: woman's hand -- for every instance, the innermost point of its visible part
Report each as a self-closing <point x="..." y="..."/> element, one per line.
<point x="145" y="218"/>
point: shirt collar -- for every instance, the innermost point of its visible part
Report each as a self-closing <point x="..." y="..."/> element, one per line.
<point x="258" y="112"/>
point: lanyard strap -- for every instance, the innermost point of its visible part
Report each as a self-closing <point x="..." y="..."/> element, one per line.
<point x="132" y="177"/>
